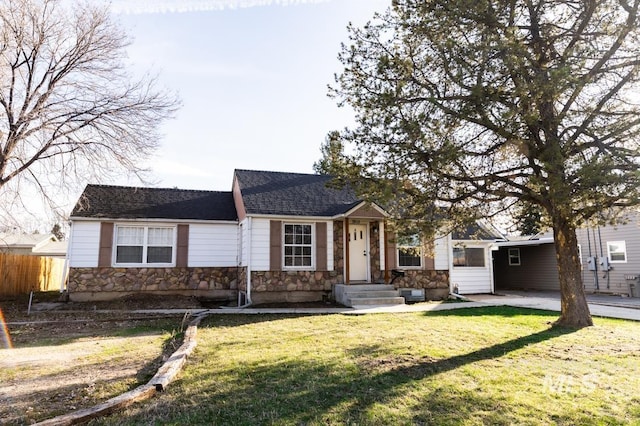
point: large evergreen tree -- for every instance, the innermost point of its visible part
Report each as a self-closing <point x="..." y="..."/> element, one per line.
<point x="477" y="106"/>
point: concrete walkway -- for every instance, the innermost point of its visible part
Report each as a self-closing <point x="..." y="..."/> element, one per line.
<point x="600" y="305"/>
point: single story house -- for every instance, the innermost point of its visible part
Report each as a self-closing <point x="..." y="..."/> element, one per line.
<point x="610" y="258"/>
<point x="274" y="237"/>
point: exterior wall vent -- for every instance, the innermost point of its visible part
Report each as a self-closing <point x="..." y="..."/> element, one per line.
<point x="412" y="294"/>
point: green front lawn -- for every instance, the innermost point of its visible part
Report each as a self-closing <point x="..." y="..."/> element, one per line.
<point x="467" y="366"/>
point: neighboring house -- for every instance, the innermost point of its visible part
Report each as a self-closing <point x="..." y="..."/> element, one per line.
<point x="274" y="237"/>
<point x="610" y="258"/>
<point x="33" y="245"/>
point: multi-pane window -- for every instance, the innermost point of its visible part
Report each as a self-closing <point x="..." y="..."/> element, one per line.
<point x="144" y="245"/>
<point x="160" y="245"/>
<point x="514" y="256"/>
<point x="298" y="245"/>
<point x="129" y="244"/>
<point x="468" y="256"/>
<point x="617" y="251"/>
<point x="409" y="252"/>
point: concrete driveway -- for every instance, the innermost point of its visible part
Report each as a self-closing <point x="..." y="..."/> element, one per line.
<point x="599" y="304"/>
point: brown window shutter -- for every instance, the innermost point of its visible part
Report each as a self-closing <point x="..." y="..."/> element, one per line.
<point x="182" y="251"/>
<point x="321" y="246"/>
<point x="429" y="263"/>
<point x="106" y="244"/>
<point x="275" y="245"/>
<point x="392" y="257"/>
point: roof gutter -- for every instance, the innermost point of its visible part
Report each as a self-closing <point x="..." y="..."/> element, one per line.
<point x="151" y="220"/>
<point x="288" y="217"/>
<point x="524" y="243"/>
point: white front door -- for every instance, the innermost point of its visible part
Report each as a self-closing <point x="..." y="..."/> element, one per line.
<point x="358" y="252"/>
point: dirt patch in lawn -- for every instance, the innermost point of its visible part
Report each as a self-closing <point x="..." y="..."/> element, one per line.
<point x="67" y="356"/>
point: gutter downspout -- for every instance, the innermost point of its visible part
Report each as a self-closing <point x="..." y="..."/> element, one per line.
<point x="248" y="291"/>
<point x="67" y="261"/>
<point x="248" y="301"/>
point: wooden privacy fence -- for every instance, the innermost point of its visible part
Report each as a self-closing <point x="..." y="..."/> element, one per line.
<point x="20" y="274"/>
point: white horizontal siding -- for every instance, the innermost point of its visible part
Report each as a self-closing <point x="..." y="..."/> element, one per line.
<point x="615" y="280"/>
<point x="472" y="279"/>
<point x="244" y="242"/>
<point x="213" y="245"/>
<point x="84" y="244"/>
<point x="441" y="253"/>
<point x="260" y="244"/>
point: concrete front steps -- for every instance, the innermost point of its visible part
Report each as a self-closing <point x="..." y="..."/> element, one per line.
<point x="367" y="294"/>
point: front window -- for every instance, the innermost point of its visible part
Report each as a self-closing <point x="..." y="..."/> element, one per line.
<point x="298" y="245"/>
<point x="466" y="256"/>
<point x="409" y="252"/>
<point x="617" y="251"/>
<point x="144" y="245"/>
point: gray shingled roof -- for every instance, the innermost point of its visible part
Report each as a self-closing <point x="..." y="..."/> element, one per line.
<point x="123" y="202"/>
<point x="292" y="194"/>
<point x="476" y="232"/>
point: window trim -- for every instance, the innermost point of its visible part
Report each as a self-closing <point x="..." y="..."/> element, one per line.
<point x="622" y="243"/>
<point x="311" y="267"/>
<point x="580" y="253"/>
<point x="145" y="245"/>
<point x="516" y="256"/>
<point x="484" y="257"/>
<point x="420" y="248"/>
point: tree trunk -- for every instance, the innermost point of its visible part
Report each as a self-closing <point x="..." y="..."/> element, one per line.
<point x="574" y="309"/>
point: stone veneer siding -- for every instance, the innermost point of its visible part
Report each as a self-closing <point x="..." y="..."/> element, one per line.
<point x="128" y="280"/>
<point x="377" y="272"/>
<point x="294" y="280"/>
<point x="312" y="285"/>
<point x="418" y="278"/>
<point x="435" y="283"/>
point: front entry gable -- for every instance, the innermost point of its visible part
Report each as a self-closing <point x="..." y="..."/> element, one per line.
<point x="365" y="210"/>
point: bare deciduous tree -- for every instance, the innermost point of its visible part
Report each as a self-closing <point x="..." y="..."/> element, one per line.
<point x="69" y="109"/>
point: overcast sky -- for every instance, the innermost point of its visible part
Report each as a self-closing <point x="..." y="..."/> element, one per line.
<point x="252" y="75"/>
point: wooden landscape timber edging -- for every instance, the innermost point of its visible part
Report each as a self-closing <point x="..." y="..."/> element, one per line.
<point x="158" y="383"/>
